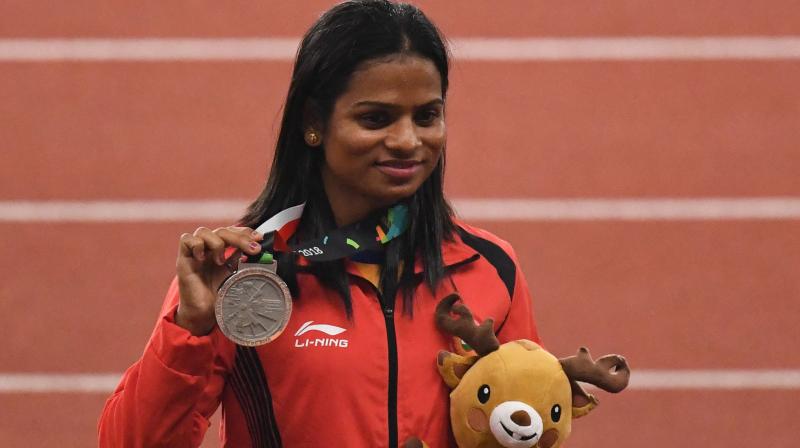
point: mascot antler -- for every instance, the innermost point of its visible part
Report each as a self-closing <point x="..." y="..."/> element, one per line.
<point x="480" y="337"/>
<point x="610" y="373"/>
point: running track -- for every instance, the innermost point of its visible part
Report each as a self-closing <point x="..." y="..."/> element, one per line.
<point x="684" y="293"/>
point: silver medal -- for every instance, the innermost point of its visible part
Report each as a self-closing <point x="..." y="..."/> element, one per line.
<point x="253" y="305"/>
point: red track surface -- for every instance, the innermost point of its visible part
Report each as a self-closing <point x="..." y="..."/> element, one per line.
<point x="670" y="295"/>
<point x="547" y="129"/>
<point x="202" y="18"/>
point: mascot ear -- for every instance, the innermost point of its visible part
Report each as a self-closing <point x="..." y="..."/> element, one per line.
<point x="452" y="367"/>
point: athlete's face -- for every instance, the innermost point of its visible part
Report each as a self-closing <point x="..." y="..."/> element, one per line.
<point x="384" y="137"/>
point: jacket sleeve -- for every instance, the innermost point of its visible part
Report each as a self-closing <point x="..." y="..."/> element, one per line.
<point x="520" y="322"/>
<point x="168" y="395"/>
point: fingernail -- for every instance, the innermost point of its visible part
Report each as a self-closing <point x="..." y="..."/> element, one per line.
<point x="255" y="246"/>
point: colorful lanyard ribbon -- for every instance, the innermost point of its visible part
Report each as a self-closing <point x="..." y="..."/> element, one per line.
<point x="370" y="234"/>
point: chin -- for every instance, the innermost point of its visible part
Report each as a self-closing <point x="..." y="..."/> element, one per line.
<point x="397" y="193"/>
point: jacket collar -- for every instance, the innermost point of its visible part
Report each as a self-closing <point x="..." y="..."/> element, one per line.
<point x="454" y="253"/>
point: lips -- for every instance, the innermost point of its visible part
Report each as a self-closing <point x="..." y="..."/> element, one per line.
<point x="399" y="170"/>
<point x="401" y="164"/>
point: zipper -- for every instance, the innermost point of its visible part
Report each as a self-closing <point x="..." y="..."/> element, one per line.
<point x="391" y="337"/>
<point x="391" y="342"/>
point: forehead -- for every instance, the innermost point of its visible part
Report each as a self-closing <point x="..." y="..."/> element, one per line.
<point x="403" y="79"/>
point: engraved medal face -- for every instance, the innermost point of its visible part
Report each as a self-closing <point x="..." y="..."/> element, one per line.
<point x="253" y="305"/>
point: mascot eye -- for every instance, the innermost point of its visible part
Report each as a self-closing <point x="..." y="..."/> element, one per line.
<point x="555" y="413"/>
<point x="483" y="393"/>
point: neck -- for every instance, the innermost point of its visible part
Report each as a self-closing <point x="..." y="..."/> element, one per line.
<point x="349" y="212"/>
<point x="348" y="207"/>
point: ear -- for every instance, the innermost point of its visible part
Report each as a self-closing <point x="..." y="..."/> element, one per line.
<point x="582" y="402"/>
<point x="312" y="124"/>
<point x="452" y="367"/>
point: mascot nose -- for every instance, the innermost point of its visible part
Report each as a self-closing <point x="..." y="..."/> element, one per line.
<point x="515" y="424"/>
<point x="521" y="418"/>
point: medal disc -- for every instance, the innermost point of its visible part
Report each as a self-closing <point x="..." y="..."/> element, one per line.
<point x="253" y="305"/>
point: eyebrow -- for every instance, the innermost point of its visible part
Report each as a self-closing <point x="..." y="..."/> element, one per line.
<point x="436" y="102"/>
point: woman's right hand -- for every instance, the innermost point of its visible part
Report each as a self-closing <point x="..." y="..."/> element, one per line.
<point x="201" y="270"/>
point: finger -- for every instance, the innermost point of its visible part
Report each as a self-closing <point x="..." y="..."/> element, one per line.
<point x="192" y="247"/>
<point x="256" y="235"/>
<point x="232" y="261"/>
<point x="242" y="240"/>
<point x="214" y="245"/>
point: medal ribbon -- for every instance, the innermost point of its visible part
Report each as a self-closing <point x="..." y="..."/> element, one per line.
<point x="370" y="234"/>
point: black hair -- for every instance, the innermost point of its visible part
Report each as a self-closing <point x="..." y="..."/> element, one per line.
<point x="343" y="38"/>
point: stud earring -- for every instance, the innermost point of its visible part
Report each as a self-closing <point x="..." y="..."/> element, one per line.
<point x="312" y="138"/>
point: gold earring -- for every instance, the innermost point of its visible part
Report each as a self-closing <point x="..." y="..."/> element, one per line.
<point x="312" y="138"/>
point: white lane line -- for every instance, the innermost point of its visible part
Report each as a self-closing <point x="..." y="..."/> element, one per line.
<point x="715" y="379"/>
<point x="58" y="383"/>
<point x="494" y="49"/>
<point x="662" y="209"/>
<point x="646" y="380"/>
<point x="499" y="209"/>
<point x="627" y="48"/>
<point x="148" y="49"/>
<point x="121" y="211"/>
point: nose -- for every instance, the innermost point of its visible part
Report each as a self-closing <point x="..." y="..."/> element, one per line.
<point x="403" y="136"/>
<point x="521" y="418"/>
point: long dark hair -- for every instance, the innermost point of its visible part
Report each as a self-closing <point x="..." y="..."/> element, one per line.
<point x="344" y="37"/>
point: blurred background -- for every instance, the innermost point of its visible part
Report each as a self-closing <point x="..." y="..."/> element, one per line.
<point x="642" y="157"/>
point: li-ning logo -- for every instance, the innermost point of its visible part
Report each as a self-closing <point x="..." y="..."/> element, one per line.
<point x="330" y="330"/>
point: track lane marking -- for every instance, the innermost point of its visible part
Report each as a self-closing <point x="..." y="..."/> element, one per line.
<point x="715" y="379"/>
<point x="121" y="211"/>
<point x="497" y="209"/>
<point x="646" y="380"/>
<point x="477" y="48"/>
<point x="656" y="209"/>
<point x="627" y="48"/>
<point x="58" y="383"/>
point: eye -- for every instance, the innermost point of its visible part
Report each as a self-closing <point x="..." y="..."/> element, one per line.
<point x="555" y="413"/>
<point x="427" y="117"/>
<point x="483" y="393"/>
<point x="374" y="120"/>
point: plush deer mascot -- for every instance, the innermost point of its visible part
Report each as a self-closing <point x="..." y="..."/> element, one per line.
<point x="516" y="395"/>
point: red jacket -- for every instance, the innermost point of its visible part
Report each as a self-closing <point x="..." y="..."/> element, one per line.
<point x="374" y="382"/>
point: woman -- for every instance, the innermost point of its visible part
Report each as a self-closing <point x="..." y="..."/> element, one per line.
<point x="363" y="130"/>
